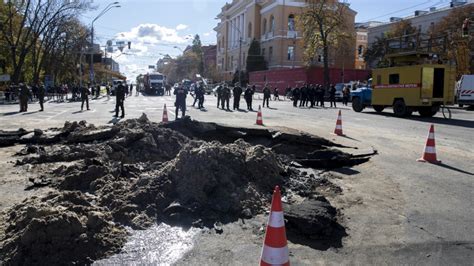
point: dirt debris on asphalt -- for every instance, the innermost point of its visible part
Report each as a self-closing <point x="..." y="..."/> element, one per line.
<point x="137" y="173"/>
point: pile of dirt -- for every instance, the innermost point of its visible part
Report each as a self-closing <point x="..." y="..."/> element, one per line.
<point x="58" y="228"/>
<point x="137" y="173"/>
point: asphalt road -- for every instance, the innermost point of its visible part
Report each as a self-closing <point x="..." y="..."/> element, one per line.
<point x="395" y="210"/>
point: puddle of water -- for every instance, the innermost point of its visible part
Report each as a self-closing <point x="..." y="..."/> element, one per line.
<point x="159" y="245"/>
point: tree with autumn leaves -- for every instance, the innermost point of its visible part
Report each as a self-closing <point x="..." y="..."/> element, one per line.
<point x="324" y="28"/>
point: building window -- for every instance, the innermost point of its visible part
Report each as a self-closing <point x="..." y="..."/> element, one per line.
<point x="264" y="29"/>
<point x="291" y="53"/>
<point x="291" y="22"/>
<point x="272" y="24"/>
<point x="379" y="80"/>
<point x="263" y="52"/>
<point x="243" y="60"/>
<point x="270" y="53"/>
<point x="249" y="30"/>
<point x="232" y="62"/>
<point x="394" y="79"/>
<point x="320" y="58"/>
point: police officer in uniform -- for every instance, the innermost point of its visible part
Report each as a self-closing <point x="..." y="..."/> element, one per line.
<point x="225" y="97"/>
<point x="84" y="97"/>
<point x="266" y="96"/>
<point x="119" y="99"/>
<point x="180" y="103"/>
<point x="248" y="94"/>
<point x="219" y="94"/>
<point x="237" y="91"/>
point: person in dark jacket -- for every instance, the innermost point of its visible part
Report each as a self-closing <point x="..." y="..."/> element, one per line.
<point x="295" y="93"/>
<point x="321" y="95"/>
<point x="266" y="95"/>
<point x="219" y="94"/>
<point x="332" y="95"/>
<point x="24" y="96"/>
<point x="180" y="103"/>
<point x="120" y="92"/>
<point x="225" y="98"/>
<point x="237" y="91"/>
<point x="248" y="95"/>
<point x="40" y="94"/>
<point x="85" y="97"/>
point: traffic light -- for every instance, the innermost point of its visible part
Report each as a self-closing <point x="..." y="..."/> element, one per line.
<point x="129" y="45"/>
<point x="465" y="28"/>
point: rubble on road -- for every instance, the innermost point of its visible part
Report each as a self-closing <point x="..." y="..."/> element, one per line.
<point x="137" y="173"/>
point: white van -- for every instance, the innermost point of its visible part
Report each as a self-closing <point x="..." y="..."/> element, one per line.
<point x="465" y="90"/>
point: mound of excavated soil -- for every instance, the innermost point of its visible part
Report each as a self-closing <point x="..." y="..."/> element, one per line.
<point x="137" y="173"/>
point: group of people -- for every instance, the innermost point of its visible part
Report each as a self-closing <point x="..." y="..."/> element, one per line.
<point x="310" y="95"/>
<point x="223" y="93"/>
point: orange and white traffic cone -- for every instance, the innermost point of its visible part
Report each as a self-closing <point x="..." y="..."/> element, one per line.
<point x="259" y="116"/>
<point x="275" y="248"/>
<point x="338" y="130"/>
<point x="430" y="151"/>
<point x="165" y="115"/>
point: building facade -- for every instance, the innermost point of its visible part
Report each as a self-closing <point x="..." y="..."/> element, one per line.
<point x="273" y="24"/>
<point x="423" y="20"/>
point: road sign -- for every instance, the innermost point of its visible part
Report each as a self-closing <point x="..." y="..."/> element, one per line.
<point x="5" y="77"/>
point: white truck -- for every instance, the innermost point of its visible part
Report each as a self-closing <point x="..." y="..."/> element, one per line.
<point x="465" y="90"/>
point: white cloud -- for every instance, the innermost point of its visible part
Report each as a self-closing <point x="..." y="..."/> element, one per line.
<point x="208" y="33"/>
<point x="182" y="27"/>
<point x="149" y="43"/>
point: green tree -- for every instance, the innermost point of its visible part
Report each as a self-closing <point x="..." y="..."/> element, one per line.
<point x="197" y="49"/>
<point x="324" y="27"/>
<point x="255" y="61"/>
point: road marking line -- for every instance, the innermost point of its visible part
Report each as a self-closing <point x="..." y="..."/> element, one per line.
<point x="51" y="117"/>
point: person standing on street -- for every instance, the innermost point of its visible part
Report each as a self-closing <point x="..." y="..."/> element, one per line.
<point x="219" y="94"/>
<point x="276" y="96"/>
<point x="248" y="97"/>
<point x="41" y="93"/>
<point x="332" y="95"/>
<point x="266" y="95"/>
<point x="225" y="98"/>
<point x="180" y="102"/>
<point x="321" y="95"/>
<point x="130" y="93"/>
<point x="120" y="98"/>
<point x="296" y="96"/>
<point x="345" y="95"/>
<point x="85" y="97"/>
<point x="201" y="96"/>
<point x="237" y="91"/>
<point x="24" y="96"/>
<point x="107" y="90"/>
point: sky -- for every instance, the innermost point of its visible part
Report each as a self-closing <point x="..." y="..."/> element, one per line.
<point x="156" y="27"/>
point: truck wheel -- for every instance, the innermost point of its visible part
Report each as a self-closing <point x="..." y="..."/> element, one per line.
<point x="400" y="109"/>
<point x="378" y="108"/>
<point x="357" y="105"/>
<point x="428" y="111"/>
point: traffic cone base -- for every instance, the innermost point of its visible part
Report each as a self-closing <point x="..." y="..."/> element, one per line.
<point x="338" y="129"/>
<point x="259" y="116"/>
<point x="275" y="247"/>
<point x="429" y="155"/>
<point x="165" y="115"/>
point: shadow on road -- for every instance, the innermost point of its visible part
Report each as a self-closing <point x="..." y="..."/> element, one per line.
<point x="332" y="241"/>
<point x="454" y="169"/>
<point x="10" y="113"/>
<point x="346" y="171"/>
<point x="77" y="112"/>
<point x="347" y="137"/>
<point x="432" y="120"/>
<point x="30" y="113"/>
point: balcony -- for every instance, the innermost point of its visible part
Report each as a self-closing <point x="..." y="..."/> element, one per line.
<point x="291" y="34"/>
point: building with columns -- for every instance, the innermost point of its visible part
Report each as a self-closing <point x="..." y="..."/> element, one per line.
<point x="273" y="23"/>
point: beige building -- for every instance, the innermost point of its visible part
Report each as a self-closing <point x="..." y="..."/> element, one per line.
<point x="273" y="23"/>
<point x="361" y="46"/>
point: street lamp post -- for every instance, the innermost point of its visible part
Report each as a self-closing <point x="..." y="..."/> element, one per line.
<point x="105" y="10"/>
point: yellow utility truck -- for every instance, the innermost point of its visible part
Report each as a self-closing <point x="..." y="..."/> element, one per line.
<point x="417" y="81"/>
